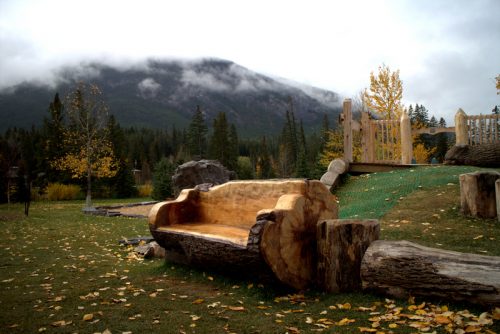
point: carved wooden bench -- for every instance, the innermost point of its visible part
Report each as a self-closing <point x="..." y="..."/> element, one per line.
<point x="249" y="226"/>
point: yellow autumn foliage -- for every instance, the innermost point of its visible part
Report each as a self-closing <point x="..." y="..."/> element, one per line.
<point x="421" y="154"/>
<point x="385" y="93"/>
<point x="101" y="163"/>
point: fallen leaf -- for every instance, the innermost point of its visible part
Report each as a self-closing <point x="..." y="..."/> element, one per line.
<point x="236" y="308"/>
<point x="367" y="330"/>
<point x="293" y="330"/>
<point x="198" y="301"/>
<point x="88" y="317"/>
<point x="345" y="321"/>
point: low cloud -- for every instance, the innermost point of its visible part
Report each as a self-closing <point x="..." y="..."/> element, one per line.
<point x="148" y="88"/>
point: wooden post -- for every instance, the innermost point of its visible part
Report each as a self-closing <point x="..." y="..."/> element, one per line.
<point x="461" y="133"/>
<point x="406" y="140"/>
<point x="477" y="194"/>
<point x="341" y="244"/>
<point x="347" y="130"/>
<point x="365" y="137"/>
<point x="497" y="196"/>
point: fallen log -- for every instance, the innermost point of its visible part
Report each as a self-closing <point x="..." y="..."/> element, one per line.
<point x="401" y="269"/>
<point x="484" y="155"/>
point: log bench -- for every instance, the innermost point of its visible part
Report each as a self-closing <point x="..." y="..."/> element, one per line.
<point x="247" y="226"/>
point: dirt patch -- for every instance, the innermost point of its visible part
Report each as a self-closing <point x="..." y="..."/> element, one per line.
<point x="139" y="210"/>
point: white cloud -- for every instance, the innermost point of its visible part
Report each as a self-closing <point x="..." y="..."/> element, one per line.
<point x="148" y="88"/>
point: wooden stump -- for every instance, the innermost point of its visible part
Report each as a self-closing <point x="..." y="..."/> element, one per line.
<point x="402" y="268"/>
<point x="341" y="244"/>
<point x="497" y="192"/>
<point x="477" y="194"/>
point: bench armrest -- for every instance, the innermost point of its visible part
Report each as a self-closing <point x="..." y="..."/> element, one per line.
<point x="288" y="242"/>
<point x="176" y="211"/>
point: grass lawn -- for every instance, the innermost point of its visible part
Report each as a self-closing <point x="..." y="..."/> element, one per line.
<point x="64" y="272"/>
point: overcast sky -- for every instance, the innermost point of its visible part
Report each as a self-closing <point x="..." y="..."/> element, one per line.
<point x="448" y="52"/>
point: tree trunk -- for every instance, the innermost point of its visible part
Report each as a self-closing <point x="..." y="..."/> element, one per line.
<point x="486" y="155"/>
<point x="341" y="244"/>
<point x="88" y="198"/>
<point x="402" y="269"/>
<point x="477" y="194"/>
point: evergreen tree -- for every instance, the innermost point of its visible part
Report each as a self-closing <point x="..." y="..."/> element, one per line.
<point x="53" y="135"/>
<point x="162" y="179"/>
<point x="224" y="142"/>
<point x="441" y="141"/>
<point x="197" y="135"/>
<point x="232" y="161"/>
<point x="264" y="166"/>
<point x="302" y="167"/>
<point x="123" y="182"/>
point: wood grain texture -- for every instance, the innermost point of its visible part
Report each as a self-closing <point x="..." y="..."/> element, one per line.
<point x="402" y="268"/>
<point x="341" y="246"/>
<point x="477" y="194"/>
<point x="240" y="224"/>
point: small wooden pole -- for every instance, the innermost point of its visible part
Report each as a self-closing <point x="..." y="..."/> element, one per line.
<point x="461" y="132"/>
<point x="365" y="137"/>
<point x="406" y="140"/>
<point x="341" y="244"/>
<point x="497" y="192"/>
<point x="347" y="111"/>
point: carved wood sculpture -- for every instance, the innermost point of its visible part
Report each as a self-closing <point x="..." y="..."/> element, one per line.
<point x="402" y="268"/>
<point x="247" y="226"/>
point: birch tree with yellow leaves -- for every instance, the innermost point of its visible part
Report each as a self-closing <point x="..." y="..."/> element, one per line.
<point x="385" y="93"/>
<point x="90" y="152"/>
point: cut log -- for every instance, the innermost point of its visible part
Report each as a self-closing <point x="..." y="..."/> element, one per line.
<point x="338" y="166"/>
<point x="341" y="246"/>
<point x="477" y="194"/>
<point x="485" y="155"/>
<point x="401" y="269"/>
<point x="330" y="179"/>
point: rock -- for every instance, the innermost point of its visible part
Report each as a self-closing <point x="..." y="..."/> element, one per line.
<point x="151" y="250"/>
<point x="193" y="173"/>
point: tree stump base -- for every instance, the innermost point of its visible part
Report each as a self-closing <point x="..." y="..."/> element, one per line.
<point x="477" y="194"/>
<point x="341" y="244"/>
<point x="401" y="269"/>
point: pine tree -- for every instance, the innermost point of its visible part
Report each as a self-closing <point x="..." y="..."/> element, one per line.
<point x="197" y="135"/>
<point x="162" y="179"/>
<point x="219" y="147"/>
<point x="264" y="166"/>
<point x="233" y="153"/>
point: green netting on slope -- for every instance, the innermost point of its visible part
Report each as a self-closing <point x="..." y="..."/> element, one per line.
<point x="372" y="195"/>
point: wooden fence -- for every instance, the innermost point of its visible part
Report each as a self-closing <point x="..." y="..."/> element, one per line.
<point x="390" y="141"/>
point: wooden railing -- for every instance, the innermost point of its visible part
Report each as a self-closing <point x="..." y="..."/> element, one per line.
<point x="477" y="130"/>
<point x="390" y="141"/>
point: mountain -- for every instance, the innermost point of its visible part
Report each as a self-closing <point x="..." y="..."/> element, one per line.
<point x="162" y="94"/>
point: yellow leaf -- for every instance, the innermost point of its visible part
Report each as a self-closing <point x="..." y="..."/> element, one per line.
<point x="210" y="278"/>
<point x="88" y="317"/>
<point x="393" y="325"/>
<point x="198" y="301"/>
<point x="442" y="320"/>
<point x="472" y="329"/>
<point x="236" y="308"/>
<point x="345" y="321"/>
<point x="367" y="330"/>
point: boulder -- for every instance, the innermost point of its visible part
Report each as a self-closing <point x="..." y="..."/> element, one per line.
<point x="193" y="173"/>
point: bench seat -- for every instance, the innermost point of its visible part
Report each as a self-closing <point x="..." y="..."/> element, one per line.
<point x="247" y="227"/>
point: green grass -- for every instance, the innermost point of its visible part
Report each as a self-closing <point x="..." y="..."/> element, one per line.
<point x="58" y="265"/>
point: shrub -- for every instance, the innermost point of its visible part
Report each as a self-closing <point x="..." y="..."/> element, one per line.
<point x="145" y="190"/>
<point x="61" y="192"/>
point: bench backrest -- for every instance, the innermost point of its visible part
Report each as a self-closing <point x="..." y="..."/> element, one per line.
<point x="237" y="203"/>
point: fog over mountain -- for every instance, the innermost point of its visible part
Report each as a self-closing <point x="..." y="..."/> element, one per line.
<point x="165" y="93"/>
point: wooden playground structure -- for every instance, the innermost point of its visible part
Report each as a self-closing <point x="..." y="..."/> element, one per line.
<point x="387" y="144"/>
